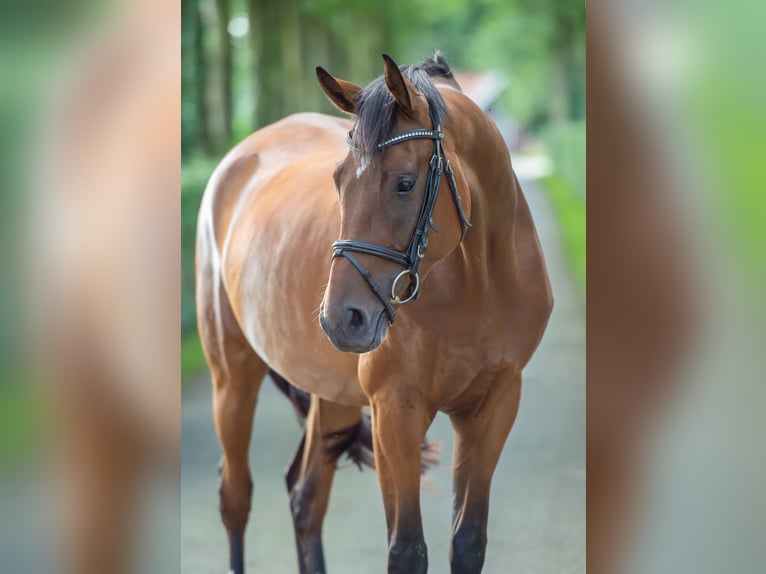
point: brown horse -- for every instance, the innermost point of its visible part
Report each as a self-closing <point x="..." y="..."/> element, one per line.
<point x="273" y="294"/>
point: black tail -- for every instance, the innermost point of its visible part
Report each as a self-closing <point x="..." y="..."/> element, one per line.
<point x="301" y="400"/>
<point x="356" y="441"/>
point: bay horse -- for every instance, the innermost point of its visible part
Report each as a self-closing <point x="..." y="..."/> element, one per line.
<point x="278" y="292"/>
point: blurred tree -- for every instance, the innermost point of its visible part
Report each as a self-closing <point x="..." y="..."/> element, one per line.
<point x="195" y="127"/>
<point x="315" y="49"/>
<point x="567" y="51"/>
<point x="538" y="44"/>
<point x="267" y="51"/>
<point x="223" y="16"/>
<point x="292" y="61"/>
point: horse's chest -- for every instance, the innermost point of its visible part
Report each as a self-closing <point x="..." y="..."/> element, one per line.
<point x="468" y="374"/>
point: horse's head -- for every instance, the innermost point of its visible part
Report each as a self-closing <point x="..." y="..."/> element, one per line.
<point x="395" y="225"/>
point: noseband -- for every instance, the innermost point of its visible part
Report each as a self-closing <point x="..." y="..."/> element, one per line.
<point x="411" y="257"/>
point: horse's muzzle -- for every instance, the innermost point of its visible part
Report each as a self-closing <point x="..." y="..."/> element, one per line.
<point x="351" y="329"/>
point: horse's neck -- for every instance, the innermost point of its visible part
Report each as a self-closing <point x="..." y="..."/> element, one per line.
<point x="442" y="82"/>
<point x="494" y="190"/>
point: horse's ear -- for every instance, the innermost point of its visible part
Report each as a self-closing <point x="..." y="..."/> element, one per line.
<point x="341" y="93"/>
<point x="398" y="85"/>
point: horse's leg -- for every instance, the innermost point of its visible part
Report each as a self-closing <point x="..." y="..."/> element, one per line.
<point x="400" y="420"/>
<point x="237" y="373"/>
<point x="480" y="435"/>
<point x="309" y="477"/>
<point x="234" y="399"/>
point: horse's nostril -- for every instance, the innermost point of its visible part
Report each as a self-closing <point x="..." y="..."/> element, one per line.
<point x="356" y="320"/>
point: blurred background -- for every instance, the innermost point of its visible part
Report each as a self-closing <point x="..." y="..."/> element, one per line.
<point x="247" y="64"/>
<point x="89" y="309"/>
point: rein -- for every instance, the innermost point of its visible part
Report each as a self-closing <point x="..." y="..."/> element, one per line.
<point x="410" y="258"/>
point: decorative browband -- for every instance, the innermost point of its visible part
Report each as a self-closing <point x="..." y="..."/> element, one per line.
<point x="402" y="137"/>
<point x="411" y="135"/>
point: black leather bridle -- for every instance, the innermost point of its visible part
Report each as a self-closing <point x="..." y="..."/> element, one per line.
<point x="411" y="257"/>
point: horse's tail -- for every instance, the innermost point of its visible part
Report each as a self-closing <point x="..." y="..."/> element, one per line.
<point x="357" y="441"/>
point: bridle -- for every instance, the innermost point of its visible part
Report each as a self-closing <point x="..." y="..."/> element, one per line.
<point x="410" y="258"/>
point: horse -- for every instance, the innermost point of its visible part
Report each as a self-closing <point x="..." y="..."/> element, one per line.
<point x="327" y="257"/>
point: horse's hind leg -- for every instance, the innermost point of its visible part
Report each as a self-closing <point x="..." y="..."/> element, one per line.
<point x="329" y="429"/>
<point x="234" y="400"/>
<point x="237" y="373"/>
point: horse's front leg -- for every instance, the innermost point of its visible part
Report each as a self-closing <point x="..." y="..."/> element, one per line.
<point x="480" y="434"/>
<point x="400" y="418"/>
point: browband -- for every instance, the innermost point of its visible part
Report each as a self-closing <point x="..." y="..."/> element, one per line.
<point x="402" y="137"/>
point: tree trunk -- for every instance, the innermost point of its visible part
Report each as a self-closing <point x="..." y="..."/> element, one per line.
<point x="387" y="37"/>
<point x="188" y="79"/>
<point x="316" y="52"/>
<point x="200" y="68"/>
<point x="292" y="76"/>
<point x="359" y="47"/>
<point x="267" y="72"/>
<point x="222" y="10"/>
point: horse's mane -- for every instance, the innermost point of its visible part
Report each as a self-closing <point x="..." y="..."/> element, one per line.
<point x="375" y="109"/>
<point x="437" y="66"/>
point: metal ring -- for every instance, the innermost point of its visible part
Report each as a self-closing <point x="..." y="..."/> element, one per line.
<point x="395" y="298"/>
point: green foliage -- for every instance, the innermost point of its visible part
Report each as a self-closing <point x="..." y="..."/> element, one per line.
<point x="538" y="45"/>
<point x="736" y="122"/>
<point x="565" y="189"/>
<point x="196" y="172"/>
<point x="565" y="143"/>
<point x="192" y="357"/>
<point x="21" y="420"/>
<point x="569" y="209"/>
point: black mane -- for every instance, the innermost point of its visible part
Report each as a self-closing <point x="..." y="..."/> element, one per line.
<point x="436" y="65"/>
<point x="375" y="109"/>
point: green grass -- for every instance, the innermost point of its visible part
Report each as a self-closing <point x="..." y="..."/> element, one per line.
<point x="192" y="357"/>
<point x="565" y="189"/>
<point x="565" y="143"/>
<point x="21" y="420"/>
<point x="195" y="173"/>
<point x="569" y="209"/>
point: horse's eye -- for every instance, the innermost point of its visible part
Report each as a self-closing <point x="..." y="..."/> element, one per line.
<point x="405" y="186"/>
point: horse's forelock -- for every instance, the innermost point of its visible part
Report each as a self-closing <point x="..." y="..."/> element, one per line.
<point x="376" y="109"/>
